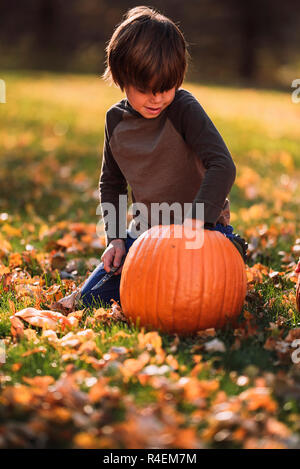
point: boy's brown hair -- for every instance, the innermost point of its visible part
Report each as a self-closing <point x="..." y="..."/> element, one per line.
<point x="148" y="51"/>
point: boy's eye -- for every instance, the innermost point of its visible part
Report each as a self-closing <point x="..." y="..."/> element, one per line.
<point x="143" y="91"/>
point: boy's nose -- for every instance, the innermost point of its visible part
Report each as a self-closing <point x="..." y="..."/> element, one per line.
<point x="155" y="99"/>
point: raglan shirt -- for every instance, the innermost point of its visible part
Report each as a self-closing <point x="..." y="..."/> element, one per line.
<point x="178" y="156"/>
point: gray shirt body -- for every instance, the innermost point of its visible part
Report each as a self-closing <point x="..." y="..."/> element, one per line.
<point x="178" y="156"/>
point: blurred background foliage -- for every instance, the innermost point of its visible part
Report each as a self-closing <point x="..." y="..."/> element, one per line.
<point x="252" y="42"/>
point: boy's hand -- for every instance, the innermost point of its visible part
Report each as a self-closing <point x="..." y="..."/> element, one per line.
<point x="113" y="254"/>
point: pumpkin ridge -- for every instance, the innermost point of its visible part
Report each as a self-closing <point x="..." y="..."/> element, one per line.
<point x="144" y="297"/>
<point x="216" y="278"/>
<point x="174" y="295"/>
<point x="177" y="262"/>
<point x="193" y="261"/>
<point x="156" y="311"/>
<point x="201" y="285"/>
<point x="181" y="311"/>
<point x="209" y="264"/>
<point x="221" y="310"/>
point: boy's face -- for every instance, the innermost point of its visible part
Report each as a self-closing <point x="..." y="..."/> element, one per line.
<point x="148" y="104"/>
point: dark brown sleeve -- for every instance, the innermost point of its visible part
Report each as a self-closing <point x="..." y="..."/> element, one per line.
<point x="112" y="183"/>
<point x="200" y="133"/>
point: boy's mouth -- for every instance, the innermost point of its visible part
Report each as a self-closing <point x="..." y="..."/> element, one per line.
<point x="153" y="110"/>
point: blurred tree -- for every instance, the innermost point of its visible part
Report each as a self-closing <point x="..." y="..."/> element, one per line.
<point x="263" y="25"/>
<point x="229" y="40"/>
<point x="45" y="31"/>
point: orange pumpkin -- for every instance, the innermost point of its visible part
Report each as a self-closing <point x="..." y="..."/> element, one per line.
<point x="168" y="287"/>
<point x="298" y="286"/>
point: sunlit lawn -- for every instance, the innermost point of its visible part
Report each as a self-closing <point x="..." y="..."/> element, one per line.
<point x="51" y="137"/>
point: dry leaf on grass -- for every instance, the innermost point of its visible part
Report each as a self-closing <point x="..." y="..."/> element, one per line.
<point x="67" y="304"/>
<point x="43" y="318"/>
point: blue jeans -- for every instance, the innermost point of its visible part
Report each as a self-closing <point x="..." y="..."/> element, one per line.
<point x="110" y="290"/>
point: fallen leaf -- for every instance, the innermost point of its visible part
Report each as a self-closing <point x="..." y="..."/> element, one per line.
<point x="45" y="318"/>
<point x="215" y="345"/>
<point x="33" y="351"/>
<point x="17" y="327"/>
<point x="67" y="304"/>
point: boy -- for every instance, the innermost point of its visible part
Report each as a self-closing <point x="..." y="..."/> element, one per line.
<point x="159" y="140"/>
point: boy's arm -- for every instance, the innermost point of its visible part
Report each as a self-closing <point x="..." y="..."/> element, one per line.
<point x="201" y="134"/>
<point x="112" y="183"/>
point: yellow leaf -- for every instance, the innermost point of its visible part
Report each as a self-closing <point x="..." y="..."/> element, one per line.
<point x="11" y="231"/>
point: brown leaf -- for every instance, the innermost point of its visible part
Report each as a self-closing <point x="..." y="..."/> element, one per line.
<point x="58" y="261"/>
<point x="274" y="427"/>
<point x="17" y="327"/>
<point x="132" y="366"/>
<point x="39" y="381"/>
<point x="67" y="304"/>
<point x="99" y="390"/>
<point x="293" y="334"/>
<point x="116" y="312"/>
